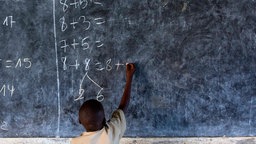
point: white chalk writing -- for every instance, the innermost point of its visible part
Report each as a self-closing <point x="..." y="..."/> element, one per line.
<point x="82" y="4"/>
<point x="108" y="65"/>
<point x="77" y="53"/>
<point x="82" y="44"/>
<point x="4" y="126"/>
<point x="8" y="21"/>
<point x="7" y="89"/>
<point x="80" y="22"/>
<point x="99" y="96"/>
<point x="19" y="63"/>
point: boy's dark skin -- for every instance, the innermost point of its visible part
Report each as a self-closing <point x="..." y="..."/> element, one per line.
<point x="91" y="113"/>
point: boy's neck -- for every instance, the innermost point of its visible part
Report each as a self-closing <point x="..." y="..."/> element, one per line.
<point x="94" y="129"/>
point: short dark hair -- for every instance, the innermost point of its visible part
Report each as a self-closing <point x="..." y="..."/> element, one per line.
<point x="91" y="115"/>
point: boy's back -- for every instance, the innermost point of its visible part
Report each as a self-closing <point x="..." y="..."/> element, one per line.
<point x="110" y="134"/>
<point x="91" y="116"/>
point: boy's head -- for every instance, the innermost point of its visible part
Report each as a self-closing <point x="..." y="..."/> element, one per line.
<point x="91" y="115"/>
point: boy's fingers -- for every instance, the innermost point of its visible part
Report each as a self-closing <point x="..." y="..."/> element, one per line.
<point x="129" y="66"/>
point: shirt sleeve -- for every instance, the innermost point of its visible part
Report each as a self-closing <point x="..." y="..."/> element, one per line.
<point x="118" y="123"/>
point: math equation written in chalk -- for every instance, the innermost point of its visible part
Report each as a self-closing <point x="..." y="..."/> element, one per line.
<point x="83" y="45"/>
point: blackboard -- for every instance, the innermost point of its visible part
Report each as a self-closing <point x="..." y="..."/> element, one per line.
<point x="195" y="59"/>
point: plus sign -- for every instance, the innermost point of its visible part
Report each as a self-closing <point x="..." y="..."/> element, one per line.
<point x="118" y="65"/>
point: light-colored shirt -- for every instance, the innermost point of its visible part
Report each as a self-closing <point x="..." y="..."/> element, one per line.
<point x="108" y="135"/>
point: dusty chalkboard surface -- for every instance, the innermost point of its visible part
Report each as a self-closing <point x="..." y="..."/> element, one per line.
<point x="196" y="65"/>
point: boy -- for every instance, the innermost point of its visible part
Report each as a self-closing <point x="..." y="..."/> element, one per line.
<point x="92" y="117"/>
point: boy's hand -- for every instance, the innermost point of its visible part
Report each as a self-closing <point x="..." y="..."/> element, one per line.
<point x="130" y="69"/>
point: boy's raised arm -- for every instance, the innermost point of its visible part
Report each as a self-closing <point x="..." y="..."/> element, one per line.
<point x="130" y="69"/>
